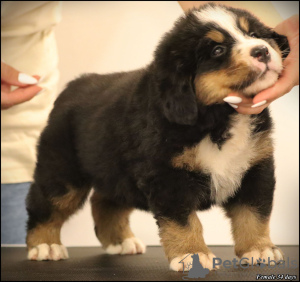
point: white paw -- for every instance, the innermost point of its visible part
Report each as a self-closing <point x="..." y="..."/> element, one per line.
<point x="129" y="246"/>
<point x="272" y="255"/>
<point x="205" y="260"/>
<point x="46" y="252"/>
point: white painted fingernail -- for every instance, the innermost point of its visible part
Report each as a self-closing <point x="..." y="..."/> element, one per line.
<point x="26" y="79"/>
<point x="232" y="105"/>
<point x="233" y="99"/>
<point x="259" y="104"/>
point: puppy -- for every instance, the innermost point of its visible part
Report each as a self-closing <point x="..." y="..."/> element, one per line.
<point x="161" y="139"/>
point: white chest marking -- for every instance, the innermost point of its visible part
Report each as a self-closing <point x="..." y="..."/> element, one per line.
<point x="228" y="165"/>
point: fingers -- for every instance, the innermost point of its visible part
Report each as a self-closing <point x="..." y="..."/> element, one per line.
<point x="282" y="86"/>
<point x="20" y="95"/>
<point x="236" y="99"/>
<point x="251" y="110"/>
<point x="11" y="76"/>
<point x="26" y="86"/>
<point x="245" y="105"/>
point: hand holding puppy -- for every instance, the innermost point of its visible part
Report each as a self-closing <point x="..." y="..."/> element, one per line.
<point x="287" y="80"/>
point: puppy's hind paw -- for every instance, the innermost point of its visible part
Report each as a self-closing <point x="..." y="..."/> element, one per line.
<point x="48" y="252"/>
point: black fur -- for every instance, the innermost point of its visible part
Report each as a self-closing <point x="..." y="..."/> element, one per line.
<point x="257" y="188"/>
<point x="118" y="133"/>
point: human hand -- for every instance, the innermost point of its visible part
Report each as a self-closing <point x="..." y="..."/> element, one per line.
<point x="287" y="80"/>
<point x="26" y="86"/>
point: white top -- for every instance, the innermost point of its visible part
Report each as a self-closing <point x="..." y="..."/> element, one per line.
<point x="27" y="44"/>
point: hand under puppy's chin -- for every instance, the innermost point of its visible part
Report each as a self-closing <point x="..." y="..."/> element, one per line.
<point x="268" y="80"/>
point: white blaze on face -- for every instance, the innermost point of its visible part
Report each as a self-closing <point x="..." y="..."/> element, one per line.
<point x="222" y="18"/>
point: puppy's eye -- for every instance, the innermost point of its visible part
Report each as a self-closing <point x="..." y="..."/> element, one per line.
<point x="218" y="51"/>
<point x="253" y="34"/>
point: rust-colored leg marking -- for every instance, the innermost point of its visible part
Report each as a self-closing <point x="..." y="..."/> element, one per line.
<point x="63" y="207"/>
<point x="252" y="235"/>
<point x="248" y="229"/>
<point x="178" y="240"/>
<point x="181" y="243"/>
<point x="111" y="221"/>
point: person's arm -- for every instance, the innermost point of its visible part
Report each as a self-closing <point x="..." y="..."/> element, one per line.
<point x="26" y="86"/>
<point x="290" y="74"/>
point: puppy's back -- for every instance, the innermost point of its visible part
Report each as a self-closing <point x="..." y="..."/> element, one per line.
<point x="97" y="89"/>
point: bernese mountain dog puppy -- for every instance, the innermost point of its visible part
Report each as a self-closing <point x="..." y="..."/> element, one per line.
<point x="161" y="139"/>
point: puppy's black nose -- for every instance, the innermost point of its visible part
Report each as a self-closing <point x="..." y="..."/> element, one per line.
<point x="261" y="53"/>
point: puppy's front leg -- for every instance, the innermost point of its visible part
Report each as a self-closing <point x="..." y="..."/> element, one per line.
<point x="252" y="235"/>
<point x="249" y="211"/>
<point x="174" y="197"/>
<point x="180" y="242"/>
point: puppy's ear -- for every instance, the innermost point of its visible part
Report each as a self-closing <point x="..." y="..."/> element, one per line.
<point x="282" y="43"/>
<point x="175" y="65"/>
<point x="179" y="101"/>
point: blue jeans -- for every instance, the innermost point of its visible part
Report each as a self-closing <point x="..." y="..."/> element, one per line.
<point x="13" y="212"/>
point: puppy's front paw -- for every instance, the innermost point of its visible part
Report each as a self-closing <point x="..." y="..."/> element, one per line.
<point x="129" y="246"/>
<point x="206" y="261"/>
<point x="266" y="255"/>
<point x="48" y="252"/>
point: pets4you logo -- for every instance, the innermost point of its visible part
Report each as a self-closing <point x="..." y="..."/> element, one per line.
<point x="191" y="263"/>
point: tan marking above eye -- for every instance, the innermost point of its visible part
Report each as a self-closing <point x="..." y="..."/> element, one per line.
<point x="216" y="36"/>
<point x="244" y="24"/>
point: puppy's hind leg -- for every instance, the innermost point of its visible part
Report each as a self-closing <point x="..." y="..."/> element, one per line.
<point x="46" y="217"/>
<point x="60" y="187"/>
<point x="112" y="227"/>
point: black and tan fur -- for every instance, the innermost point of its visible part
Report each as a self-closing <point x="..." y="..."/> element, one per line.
<point x="162" y="139"/>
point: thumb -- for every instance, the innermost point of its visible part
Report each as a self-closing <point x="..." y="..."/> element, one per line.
<point x="281" y="87"/>
<point x="11" y="76"/>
